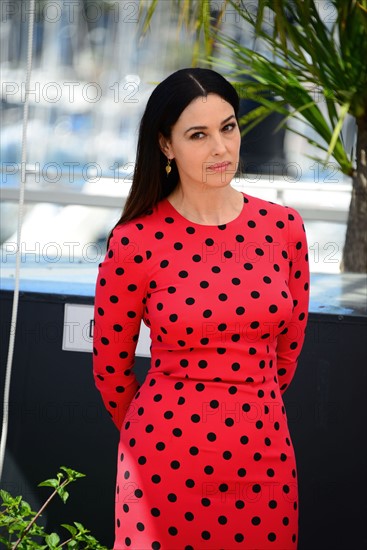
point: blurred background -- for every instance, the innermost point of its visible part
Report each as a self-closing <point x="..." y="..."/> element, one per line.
<point x="92" y="74"/>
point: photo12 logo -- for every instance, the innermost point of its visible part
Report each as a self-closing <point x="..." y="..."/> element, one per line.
<point x="70" y="11"/>
<point x="70" y="92"/>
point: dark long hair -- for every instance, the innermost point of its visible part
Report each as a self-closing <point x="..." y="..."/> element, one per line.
<point x="165" y="105"/>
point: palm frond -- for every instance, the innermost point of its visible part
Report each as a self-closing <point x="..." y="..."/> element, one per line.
<point x="196" y="16"/>
<point x="145" y="14"/>
<point x="304" y="53"/>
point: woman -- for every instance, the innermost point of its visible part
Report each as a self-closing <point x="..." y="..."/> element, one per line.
<point x="221" y="278"/>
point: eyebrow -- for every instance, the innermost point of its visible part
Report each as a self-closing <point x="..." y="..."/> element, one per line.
<point x="205" y="127"/>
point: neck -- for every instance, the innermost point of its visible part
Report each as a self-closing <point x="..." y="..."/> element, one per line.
<point x="209" y="206"/>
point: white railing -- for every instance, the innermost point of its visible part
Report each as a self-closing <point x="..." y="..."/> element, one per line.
<point x="315" y="200"/>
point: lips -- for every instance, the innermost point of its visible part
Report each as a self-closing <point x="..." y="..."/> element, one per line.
<point x="218" y="167"/>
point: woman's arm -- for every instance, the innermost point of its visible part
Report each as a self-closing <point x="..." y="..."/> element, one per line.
<point x="290" y="341"/>
<point x="118" y="310"/>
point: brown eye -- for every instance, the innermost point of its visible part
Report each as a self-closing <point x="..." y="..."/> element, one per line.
<point x="229" y="127"/>
<point x="197" y="135"/>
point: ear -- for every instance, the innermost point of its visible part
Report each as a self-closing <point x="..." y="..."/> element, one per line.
<point x="165" y="146"/>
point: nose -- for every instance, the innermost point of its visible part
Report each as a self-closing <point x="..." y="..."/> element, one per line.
<point x="218" y="145"/>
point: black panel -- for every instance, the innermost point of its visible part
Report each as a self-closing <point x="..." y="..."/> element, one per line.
<point x="57" y="418"/>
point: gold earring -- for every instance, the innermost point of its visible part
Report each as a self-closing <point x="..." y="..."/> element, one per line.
<point x="168" y="167"/>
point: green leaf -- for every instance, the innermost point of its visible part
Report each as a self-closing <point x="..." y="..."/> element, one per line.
<point x="26" y="510"/>
<point x="72" y="530"/>
<point x="63" y="494"/>
<point x="72" y="474"/>
<point x="343" y="113"/>
<point x="5" y="497"/>
<point x="80" y="527"/>
<point x="49" y="483"/>
<point x="52" y="540"/>
<point x="252" y="119"/>
<point x="148" y="16"/>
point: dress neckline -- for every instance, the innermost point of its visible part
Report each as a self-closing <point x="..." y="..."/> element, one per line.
<point x="186" y="220"/>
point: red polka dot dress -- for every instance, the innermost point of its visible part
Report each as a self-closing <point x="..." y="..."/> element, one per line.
<point x="205" y="459"/>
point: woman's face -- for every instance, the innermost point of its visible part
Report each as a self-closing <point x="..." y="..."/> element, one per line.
<point x="205" y="143"/>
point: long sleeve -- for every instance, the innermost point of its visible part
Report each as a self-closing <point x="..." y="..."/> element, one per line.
<point x="290" y="341"/>
<point x="118" y="310"/>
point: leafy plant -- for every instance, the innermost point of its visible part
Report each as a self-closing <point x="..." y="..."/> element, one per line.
<point x="19" y="522"/>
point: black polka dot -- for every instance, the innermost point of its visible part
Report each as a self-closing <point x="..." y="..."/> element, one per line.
<point x="256" y="520"/>
<point x="222" y="520"/>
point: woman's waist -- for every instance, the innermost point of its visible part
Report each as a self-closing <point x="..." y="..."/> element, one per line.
<point x="230" y="369"/>
<point x="204" y="405"/>
<point x="213" y="380"/>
